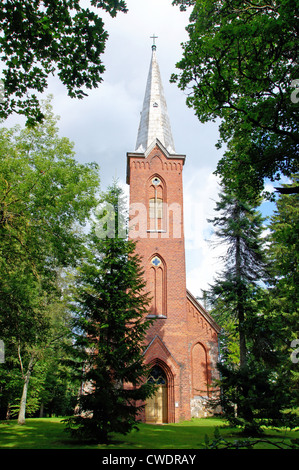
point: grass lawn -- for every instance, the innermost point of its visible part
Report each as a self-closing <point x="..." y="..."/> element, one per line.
<point x="49" y="433"/>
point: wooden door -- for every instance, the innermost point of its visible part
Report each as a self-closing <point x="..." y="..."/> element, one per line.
<point x="156" y="406"/>
<point x="156" y="409"/>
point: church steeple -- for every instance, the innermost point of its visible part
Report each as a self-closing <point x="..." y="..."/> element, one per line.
<point x="181" y="344"/>
<point x="154" y="121"/>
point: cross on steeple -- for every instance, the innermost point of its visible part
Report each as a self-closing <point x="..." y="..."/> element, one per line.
<point x="154" y="44"/>
<point x="154" y="120"/>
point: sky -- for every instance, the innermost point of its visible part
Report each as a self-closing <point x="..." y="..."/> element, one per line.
<point x="104" y="125"/>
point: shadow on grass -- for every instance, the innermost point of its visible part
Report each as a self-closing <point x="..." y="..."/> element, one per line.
<point x="50" y="433"/>
<point x="36" y="433"/>
<point x="176" y="436"/>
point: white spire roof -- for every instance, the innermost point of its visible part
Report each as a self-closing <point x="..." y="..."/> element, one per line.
<point x="154" y="121"/>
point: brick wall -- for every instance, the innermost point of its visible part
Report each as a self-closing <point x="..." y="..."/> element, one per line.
<point x="177" y="330"/>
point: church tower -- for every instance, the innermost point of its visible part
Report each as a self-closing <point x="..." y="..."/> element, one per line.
<point x="181" y="345"/>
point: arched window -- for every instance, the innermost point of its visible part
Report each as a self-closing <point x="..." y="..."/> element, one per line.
<point x="157" y="376"/>
<point x="200" y="380"/>
<point x="156" y="212"/>
<point x="157" y="286"/>
<point x="156" y="208"/>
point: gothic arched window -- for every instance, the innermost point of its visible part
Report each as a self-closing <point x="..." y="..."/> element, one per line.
<point x="157" y="376"/>
<point x="156" y="208"/>
<point x="199" y="363"/>
<point x="156" y="212"/>
<point x="157" y="286"/>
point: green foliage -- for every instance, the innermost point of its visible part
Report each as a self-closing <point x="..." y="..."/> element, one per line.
<point x="284" y="226"/>
<point x="232" y="297"/>
<point x="110" y="309"/>
<point x="253" y="382"/>
<point x="259" y="385"/>
<point x="254" y="396"/>
<point x="42" y="38"/>
<point x="44" y="193"/>
<point x="239" y="65"/>
<point x="283" y="253"/>
<point x="219" y="442"/>
<point x="10" y="381"/>
<point x="52" y="386"/>
<point x="183" y="3"/>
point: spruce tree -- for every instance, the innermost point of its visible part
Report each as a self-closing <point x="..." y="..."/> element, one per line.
<point x="110" y="306"/>
<point x="283" y="252"/>
<point x="236" y="302"/>
<point x="239" y="227"/>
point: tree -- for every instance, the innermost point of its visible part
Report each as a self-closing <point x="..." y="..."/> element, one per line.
<point x="44" y="192"/>
<point x="37" y="355"/>
<point x="237" y="301"/>
<point x="283" y="252"/>
<point x="239" y="227"/>
<point x="40" y="38"/>
<point x="240" y="65"/>
<point x="52" y="333"/>
<point x="45" y="195"/>
<point x="110" y="306"/>
<point x="255" y="378"/>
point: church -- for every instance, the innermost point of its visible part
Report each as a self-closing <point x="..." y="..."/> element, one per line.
<point x="182" y="343"/>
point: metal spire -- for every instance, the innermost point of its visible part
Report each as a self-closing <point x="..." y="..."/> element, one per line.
<point x="154" y="121"/>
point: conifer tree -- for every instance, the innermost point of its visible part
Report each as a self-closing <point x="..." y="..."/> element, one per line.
<point x="239" y="227"/>
<point x="111" y="305"/>
<point x="256" y="383"/>
<point x="236" y="301"/>
<point x="283" y="252"/>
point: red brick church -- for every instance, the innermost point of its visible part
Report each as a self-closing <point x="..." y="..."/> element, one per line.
<point x="182" y="343"/>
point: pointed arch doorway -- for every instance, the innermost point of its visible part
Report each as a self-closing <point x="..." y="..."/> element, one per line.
<point x="156" y="408"/>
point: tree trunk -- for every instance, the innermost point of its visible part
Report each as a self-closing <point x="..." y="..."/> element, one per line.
<point x="242" y="335"/>
<point x="22" y="411"/>
<point x="240" y="305"/>
<point x="7" y="417"/>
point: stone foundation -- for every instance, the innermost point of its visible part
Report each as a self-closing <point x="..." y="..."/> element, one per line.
<point x="201" y="407"/>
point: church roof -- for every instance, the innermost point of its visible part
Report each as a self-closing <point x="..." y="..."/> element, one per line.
<point x="203" y="312"/>
<point x="154" y="120"/>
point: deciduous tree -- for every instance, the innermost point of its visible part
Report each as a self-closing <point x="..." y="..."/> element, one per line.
<point x="40" y="38"/>
<point x="45" y="195"/>
<point x="240" y="64"/>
